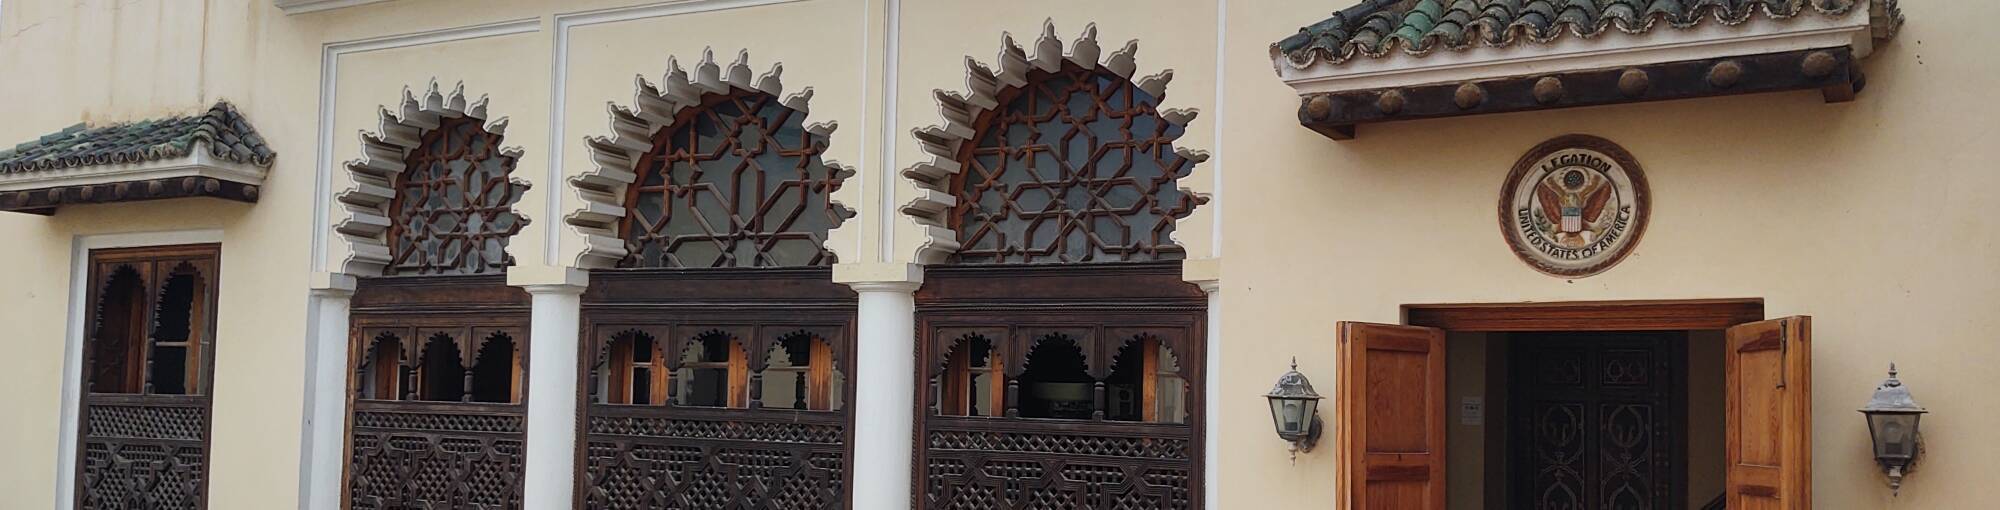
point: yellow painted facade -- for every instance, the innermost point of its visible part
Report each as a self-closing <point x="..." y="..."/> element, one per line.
<point x="1876" y="217"/>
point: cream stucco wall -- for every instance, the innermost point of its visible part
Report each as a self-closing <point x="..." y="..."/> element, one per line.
<point x="1872" y="216"/>
<point x="1875" y="217"/>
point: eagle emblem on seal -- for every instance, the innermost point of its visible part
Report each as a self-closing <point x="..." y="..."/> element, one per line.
<point x="1572" y="205"/>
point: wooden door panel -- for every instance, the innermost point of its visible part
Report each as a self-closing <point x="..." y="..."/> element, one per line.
<point x="1389" y="412"/>
<point x="1769" y="414"/>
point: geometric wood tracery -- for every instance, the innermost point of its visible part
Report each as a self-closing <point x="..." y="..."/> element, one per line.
<point x="710" y="169"/>
<point x="454" y="206"/>
<point x="1053" y="157"/>
<point x="1076" y="166"/>
<point x="433" y="191"/>
<point x="735" y="182"/>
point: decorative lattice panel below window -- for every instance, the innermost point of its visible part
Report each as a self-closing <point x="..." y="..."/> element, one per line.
<point x="436" y="455"/>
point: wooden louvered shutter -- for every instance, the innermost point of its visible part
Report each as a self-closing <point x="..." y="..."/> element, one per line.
<point x="1389" y="415"/>
<point x="1770" y="415"/>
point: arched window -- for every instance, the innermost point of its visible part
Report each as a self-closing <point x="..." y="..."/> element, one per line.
<point x="155" y="352"/>
<point x="440" y="372"/>
<point x="493" y="370"/>
<point x="632" y="371"/>
<point x="974" y="383"/>
<point x="1077" y="165"/>
<point x="119" y="344"/>
<point x="799" y="373"/>
<point x="1055" y="381"/>
<point x="714" y="372"/>
<point x="174" y="362"/>
<point x="382" y="371"/>
<point x="735" y="182"/>
<point x="453" y="209"/>
<point x="1146" y="384"/>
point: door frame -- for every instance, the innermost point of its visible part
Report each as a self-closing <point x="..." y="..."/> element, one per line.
<point x="1586" y="316"/>
<point x="1635" y="315"/>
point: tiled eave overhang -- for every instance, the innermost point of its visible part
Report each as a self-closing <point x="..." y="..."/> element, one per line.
<point x="216" y="154"/>
<point x="1759" y="54"/>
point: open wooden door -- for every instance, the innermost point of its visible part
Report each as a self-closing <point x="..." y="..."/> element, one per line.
<point x="1389" y="414"/>
<point x="1770" y="415"/>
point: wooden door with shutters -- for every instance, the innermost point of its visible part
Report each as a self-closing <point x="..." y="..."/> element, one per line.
<point x="1769" y="365"/>
<point x="1389" y="414"/>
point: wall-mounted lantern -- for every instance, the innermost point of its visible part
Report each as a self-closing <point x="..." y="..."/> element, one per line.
<point x="1295" y="410"/>
<point x="1892" y="424"/>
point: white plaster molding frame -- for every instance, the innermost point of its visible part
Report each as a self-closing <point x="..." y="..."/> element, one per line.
<point x="1612" y="49"/>
<point x="381" y="165"/>
<point x="329" y="74"/>
<point x="559" y="82"/>
<point x="198" y="163"/>
<point x="305" y="6"/>
<point x="73" y="343"/>
<point x="614" y="158"/>
<point x="983" y="87"/>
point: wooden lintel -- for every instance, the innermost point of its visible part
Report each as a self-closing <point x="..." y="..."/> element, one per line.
<point x="1832" y="71"/>
<point x="44" y="201"/>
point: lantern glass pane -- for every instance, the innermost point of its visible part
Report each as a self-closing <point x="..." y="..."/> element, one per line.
<point x="1894" y="434"/>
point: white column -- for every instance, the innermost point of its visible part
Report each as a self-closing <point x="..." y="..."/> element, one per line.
<point x="1211" y="407"/>
<point x="885" y="367"/>
<point x="326" y="392"/>
<point x="552" y="388"/>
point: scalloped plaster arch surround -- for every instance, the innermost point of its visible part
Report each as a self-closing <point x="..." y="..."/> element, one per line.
<point x="984" y="85"/>
<point x="615" y="158"/>
<point x="376" y="172"/>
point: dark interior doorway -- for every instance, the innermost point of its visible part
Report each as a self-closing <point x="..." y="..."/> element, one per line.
<point x="1598" y="420"/>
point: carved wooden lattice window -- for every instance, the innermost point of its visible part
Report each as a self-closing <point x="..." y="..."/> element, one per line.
<point x="735" y="182"/>
<point x="436" y="369"/>
<point x="799" y="374"/>
<point x="1145" y="382"/>
<point x="634" y="373"/>
<point x="1076" y="166"/>
<point x="152" y="329"/>
<point x="144" y="417"/>
<point x="454" y="206"/>
<point x="714" y="372"/>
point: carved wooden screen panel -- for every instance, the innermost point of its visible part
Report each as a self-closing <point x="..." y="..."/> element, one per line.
<point x="437" y="433"/>
<point x="1603" y="425"/>
<point x="735" y="182"/>
<point x="1076" y="166"/>
<point x="145" y="420"/>
<point x="1062" y="437"/>
<point x="770" y="434"/>
<point x="453" y="211"/>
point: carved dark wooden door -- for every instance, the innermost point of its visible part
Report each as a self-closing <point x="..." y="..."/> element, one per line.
<point x="1597" y="421"/>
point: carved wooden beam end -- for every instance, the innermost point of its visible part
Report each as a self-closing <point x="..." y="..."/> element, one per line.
<point x="1833" y="71"/>
<point x="45" y="200"/>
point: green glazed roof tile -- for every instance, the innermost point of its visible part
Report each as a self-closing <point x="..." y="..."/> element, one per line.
<point x="1375" y="28"/>
<point x="224" y="131"/>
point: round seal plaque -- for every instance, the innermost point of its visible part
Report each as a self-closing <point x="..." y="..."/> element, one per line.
<point x="1574" y="206"/>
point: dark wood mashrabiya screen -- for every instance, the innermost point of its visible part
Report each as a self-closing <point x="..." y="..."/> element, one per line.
<point x="439" y="342"/>
<point x="148" y="356"/>
<point x="1062" y="350"/>
<point x="717" y="389"/>
<point x="437" y="410"/>
<point x="1061" y="387"/>
<point x="718" y="350"/>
